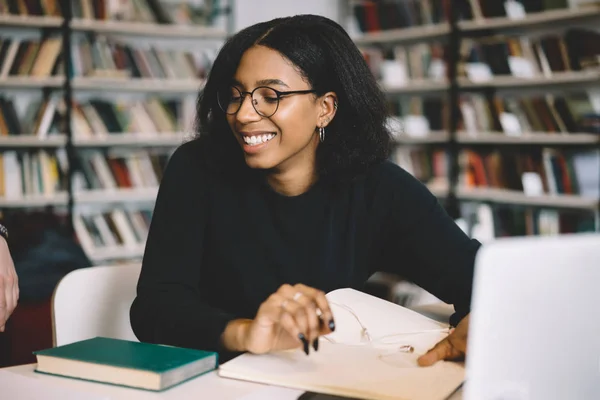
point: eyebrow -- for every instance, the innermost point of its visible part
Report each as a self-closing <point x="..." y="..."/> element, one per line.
<point x="264" y="82"/>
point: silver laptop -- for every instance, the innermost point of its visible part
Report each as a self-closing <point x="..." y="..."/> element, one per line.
<point x="534" y="332"/>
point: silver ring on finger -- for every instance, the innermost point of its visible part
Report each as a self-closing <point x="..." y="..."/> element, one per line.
<point x="284" y="303"/>
<point x="297" y="296"/>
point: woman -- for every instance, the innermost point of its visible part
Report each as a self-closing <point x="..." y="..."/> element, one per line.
<point x="286" y="195"/>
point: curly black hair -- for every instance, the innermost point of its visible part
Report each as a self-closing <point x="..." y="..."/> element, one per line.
<point x="328" y="59"/>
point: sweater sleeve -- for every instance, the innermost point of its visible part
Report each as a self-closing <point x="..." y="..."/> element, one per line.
<point x="425" y="245"/>
<point x="169" y="307"/>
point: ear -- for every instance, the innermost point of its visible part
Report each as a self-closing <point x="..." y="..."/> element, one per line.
<point x="328" y="104"/>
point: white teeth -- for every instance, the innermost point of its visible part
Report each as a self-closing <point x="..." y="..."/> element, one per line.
<point x="260" y="139"/>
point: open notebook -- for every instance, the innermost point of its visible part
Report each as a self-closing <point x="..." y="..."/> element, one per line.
<point x="356" y="364"/>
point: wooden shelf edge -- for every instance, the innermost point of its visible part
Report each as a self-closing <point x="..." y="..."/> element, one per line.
<point x="132" y="139"/>
<point x="117" y="195"/>
<point x="30" y="21"/>
<point x="544" y="17"/>
<point x="148" y="29"/>
<point x="403" y="35"/>
<point x="33" y="141"/>
<point x="139" y="84"/>
<point x="557" y="79"/>
<point x="541" y="138"/>
<point x="506" y="196"/>
<point x="34" y="201"/>
<point x="32" y="82"/>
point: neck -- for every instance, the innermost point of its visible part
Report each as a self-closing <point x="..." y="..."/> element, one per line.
<point x="293" y="181"/>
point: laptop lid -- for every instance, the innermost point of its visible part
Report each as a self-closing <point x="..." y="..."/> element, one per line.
<point x="534" y="329"/>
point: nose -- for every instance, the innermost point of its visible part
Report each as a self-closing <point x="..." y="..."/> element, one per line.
<point x="247" y="113"/>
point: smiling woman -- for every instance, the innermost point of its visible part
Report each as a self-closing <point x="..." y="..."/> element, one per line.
<point x="286" y="194"/>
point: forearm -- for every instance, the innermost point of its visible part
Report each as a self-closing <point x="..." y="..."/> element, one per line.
<point x="178" y="321"/>
<point x="233" y="337"/>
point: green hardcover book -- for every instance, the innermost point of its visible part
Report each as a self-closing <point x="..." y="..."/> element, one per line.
<point x="125" y="363"/>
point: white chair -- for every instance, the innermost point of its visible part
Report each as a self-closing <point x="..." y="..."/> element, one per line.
<point x="94" y="301"/>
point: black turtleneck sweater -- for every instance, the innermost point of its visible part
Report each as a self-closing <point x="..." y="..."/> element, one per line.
<point x="217" y="249"/>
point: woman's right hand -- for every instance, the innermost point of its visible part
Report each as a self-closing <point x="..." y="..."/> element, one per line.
<point x="293" y="316"/>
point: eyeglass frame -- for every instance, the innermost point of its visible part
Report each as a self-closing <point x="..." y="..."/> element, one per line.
<point x="366" y="337"/>
<point x="279" y="94"/>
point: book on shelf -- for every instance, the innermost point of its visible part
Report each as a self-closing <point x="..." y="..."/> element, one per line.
<point x="104" y="56"/>
<point x="377" y="16"/>
<point x="574" y="50"/>
<point x="119" y="169"/>
<point x="32" y="172"/>
<point x="39" y="117"/>
<point x="110" y="230"/>
<point x="29" y="56"/>
<point x="147" y="116"/>
<point x="145" y="11"/>
<point x="120" y="362"/>
<point x="536" y="172"/>
<point x="38" y="8"/>
<point x="383" y="340"/>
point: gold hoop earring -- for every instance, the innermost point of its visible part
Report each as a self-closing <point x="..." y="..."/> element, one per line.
<point x="322" y="134"/>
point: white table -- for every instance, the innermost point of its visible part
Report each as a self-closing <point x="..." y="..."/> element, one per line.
<point x="27" y="383"/>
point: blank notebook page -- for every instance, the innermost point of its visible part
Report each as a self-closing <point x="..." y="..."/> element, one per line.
<point x="354" y="368"/>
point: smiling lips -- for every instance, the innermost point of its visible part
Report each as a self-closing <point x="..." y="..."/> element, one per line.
<point x="254" y="140"/>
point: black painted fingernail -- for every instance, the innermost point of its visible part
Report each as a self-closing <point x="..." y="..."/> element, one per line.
<point x="304" y="342"/>
<point x="332" y="325"/>
<point x="316" y="344"/>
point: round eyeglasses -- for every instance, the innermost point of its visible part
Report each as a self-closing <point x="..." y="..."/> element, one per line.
<point x="265" y="100"/>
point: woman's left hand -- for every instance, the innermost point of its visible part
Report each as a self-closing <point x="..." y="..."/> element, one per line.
<point x="453" y="347"/>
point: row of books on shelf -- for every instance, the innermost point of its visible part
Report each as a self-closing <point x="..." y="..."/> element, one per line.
<point x="572" y="112"/>
<point x="96" y="117"/>
<point x="38" y="172"/>
<point x="375" y="16"/>
<point x="574" y="50"/>
<point x="101" y="56"/>
<point x="44" y="172"/>
<point x="120" y="170"/>
<point x="480" y="60"/>
<point x="545" y="171"/>
<point x="486" y="222"/>
<point x="515" y="116"/>
<point x="147" y="11"/>
<point x="33" y="57"/>
<point x="116" y="233"/>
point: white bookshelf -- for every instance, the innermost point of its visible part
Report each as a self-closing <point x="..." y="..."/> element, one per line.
<point x="572" y="80"/>
<point x="119" y="195"/>
<point x="163" y="139"/>
<point x="148" y="30"/>
<point x="416" y="86"/>
<point x="552" y="19"/>
<point x="34" y="201"/>
<point x="404" y="36"/>
<point x="144" y="85"/>
<point x="505" y="196"/>
<point x="31" y="82"/>
<point x="17" y="141"/>
<point x="29" y="21"/>
<point x="540" y="138"/>
<point x="433" y="137"/>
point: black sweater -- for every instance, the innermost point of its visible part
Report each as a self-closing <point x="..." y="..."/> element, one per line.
<point x="217" y="249"/>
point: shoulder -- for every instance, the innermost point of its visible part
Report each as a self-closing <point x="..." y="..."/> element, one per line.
<point x="392" y="176"/>
<point x="387" y="181"/>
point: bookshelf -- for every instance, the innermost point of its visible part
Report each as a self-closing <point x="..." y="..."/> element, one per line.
<point x="107" y="126"/>
<point x="526" y="100"/>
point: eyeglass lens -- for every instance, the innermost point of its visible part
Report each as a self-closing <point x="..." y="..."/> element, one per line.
<point x="264" y="100"/>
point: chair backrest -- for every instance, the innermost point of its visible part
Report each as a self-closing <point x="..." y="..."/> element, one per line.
<point x="94" y="301"/>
